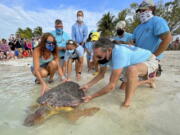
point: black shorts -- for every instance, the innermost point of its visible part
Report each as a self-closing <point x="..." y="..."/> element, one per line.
<point x="62" y="57"/>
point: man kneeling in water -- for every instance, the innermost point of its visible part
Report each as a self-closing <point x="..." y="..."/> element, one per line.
<point x="137" y="61"/>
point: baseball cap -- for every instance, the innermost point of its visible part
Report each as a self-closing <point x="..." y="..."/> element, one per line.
<point x="145" y="4"/>
<point x="121" y="25"/>
<point x="95" y="36"/>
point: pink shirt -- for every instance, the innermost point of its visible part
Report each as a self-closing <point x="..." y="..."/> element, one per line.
<point x="4" y="47"/>
<point x="29" y="45"/>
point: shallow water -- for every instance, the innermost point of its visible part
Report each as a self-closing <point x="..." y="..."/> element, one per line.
<point x="153" y="111"/>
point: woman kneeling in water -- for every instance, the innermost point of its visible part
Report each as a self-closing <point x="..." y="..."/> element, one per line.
<point x="46" y="61"/>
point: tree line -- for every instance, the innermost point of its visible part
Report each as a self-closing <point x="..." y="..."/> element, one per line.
<point x="169" y="11"/>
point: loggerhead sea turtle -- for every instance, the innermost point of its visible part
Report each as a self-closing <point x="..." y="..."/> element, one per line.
<point x="64" y="97"/>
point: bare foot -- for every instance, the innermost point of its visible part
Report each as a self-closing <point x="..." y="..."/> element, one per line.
<point x="125" y="105"/>
<point x="152" y="83"/>
<point x="122" y="86"/>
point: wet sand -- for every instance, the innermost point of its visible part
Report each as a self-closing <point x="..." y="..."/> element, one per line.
<point x="153" y="111"/>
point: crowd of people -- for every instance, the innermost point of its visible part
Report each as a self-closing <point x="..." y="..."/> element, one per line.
<point x="133" y="58"/>
<point x="175" y="45"/>
<point x="17" y="48"/>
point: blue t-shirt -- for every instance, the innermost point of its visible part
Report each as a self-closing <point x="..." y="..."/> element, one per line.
<point x="79" y="32"/>
<point x="61" y="41"/>
<point x="147" y="35"/>
<point x="125" y="38"/>
<point x="125" y="55"/>
<point x="89" y="46"/>
<point x="78" y="52"/>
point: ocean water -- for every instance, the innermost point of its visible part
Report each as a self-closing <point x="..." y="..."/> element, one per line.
<point x="153" y="111"/>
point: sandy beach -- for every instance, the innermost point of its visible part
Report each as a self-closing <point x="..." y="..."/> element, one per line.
<point x="153" y="111"/>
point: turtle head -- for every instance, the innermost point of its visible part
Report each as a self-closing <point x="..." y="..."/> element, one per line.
<point x="38" y="116"/>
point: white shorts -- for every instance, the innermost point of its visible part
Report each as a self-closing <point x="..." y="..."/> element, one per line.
<point x="152" y="65"/>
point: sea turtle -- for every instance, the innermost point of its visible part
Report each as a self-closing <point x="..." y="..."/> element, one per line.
<point x="64" y="97"/>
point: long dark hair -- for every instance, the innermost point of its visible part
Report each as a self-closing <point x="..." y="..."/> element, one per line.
<point x="42" y="44"/>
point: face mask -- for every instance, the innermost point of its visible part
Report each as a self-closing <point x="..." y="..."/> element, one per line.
<point x="103" y="61"/>
<point x="80" y="19"/>
<point x="50" y="47"/>
<point x="120" y="32"/>
<point x="145" y="16"/>
<point x="59" y="31"/>
<point x="70" y="51"/>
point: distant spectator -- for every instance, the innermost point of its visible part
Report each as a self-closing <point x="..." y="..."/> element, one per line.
<point x="12" y="44"/>
<point x="4" y="47"/>
<point x="18" y="46"/>
<point x="29" y="46"/>
<point x="176" y="44"/>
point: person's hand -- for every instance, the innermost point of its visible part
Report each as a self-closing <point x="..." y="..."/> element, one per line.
<point x="87" y="98"/>
<point x="64" y="79"/>
<point x="44" y="88"/>
<point x="68" y="79"/>
<point x="84" y="87"/>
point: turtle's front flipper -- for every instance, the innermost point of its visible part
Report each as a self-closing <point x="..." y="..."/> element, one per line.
<point x="77" y="113"/>
<point x="41" y="114"/>
<point x="32" y="108"/>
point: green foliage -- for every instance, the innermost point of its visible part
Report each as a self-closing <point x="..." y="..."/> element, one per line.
<point x="37" y="31"/>
<point x="170" y="11"/>
<point x="106" y="25"/>
<point x="28" y="33"/>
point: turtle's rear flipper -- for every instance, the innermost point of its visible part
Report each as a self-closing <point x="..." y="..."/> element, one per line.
<point x="77" y="113"/>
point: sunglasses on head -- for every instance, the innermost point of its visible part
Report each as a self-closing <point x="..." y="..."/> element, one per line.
<point x="70" y="42"/>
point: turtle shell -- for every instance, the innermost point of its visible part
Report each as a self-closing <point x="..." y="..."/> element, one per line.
<point x="63" y="95"/>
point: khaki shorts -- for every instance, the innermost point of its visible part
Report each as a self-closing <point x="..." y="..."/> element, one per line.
<point x="152" y="65"/>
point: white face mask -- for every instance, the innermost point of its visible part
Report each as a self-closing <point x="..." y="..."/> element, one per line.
<point x="70" y="51"/>
<point x="145" y="16"/>
<point x="80" y="19"/>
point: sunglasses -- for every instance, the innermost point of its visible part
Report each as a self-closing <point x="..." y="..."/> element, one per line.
<point x="50" y="42"/>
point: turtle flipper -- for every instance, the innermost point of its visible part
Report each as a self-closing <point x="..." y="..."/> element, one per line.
<point x="77" y="113"/>
<point x="64" y="109"/>
<point x="41" y="114"/>
<point x="32" y="108"/>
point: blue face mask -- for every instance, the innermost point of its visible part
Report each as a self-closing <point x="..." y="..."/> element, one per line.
<point x="59" y="30"/>
<point x="50" y="47"/>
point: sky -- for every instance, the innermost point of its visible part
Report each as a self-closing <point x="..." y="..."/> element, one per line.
<point x="33" y="13"/>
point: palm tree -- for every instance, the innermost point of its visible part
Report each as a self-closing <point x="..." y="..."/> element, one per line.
<point x="106" y="25"/>
<point x="37" y="31"/>
<point x="134" y="20"/>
